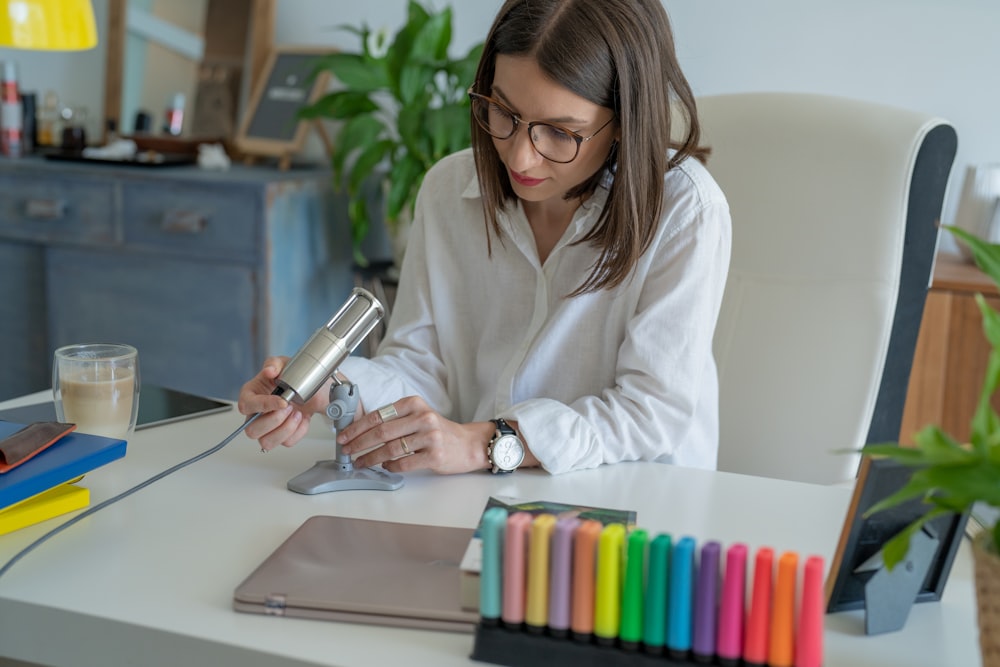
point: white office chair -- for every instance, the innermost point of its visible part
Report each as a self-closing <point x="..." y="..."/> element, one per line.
<point x="834" y="205"/>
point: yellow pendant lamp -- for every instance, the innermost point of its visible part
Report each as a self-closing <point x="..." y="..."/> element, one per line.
<point x="48" y="25"/>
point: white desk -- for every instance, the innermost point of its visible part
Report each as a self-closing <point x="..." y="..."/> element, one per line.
<point x="149" y="581"/>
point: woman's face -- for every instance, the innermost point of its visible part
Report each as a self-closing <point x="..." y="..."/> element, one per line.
<point x="521" y="85"/>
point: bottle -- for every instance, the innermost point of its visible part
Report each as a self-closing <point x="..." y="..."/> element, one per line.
<point x="174" y="117"/>
<point x="11" y="112"/>
<point x="49" y="126"/>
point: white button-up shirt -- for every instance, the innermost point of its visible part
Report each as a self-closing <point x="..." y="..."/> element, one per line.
<point x="618" y="375"/>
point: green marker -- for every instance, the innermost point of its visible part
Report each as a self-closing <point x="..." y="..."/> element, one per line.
<point x="632" y="597"/>
<point x="654" y="636"/>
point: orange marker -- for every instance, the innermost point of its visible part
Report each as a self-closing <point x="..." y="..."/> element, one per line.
<point x="584" y="574"/>
<point x="536" y="611"/>
<point x="781" y="650"/>
<point x="759" y="618"/>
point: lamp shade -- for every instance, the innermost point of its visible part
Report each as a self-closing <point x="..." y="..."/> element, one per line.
<point x="56" y="25"/>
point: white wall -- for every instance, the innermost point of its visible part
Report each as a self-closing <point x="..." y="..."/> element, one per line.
<point x="937" y="56"/>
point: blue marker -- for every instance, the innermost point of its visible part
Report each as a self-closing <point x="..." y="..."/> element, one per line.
<point x="680" y="604"/>
<point x="493" y="525"/>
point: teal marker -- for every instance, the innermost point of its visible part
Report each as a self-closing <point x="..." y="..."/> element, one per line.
<point x="654" y="634"/>
<point x="632" y="596"/>
<point x="679" y="622"/>
<point x="492" y="526"/>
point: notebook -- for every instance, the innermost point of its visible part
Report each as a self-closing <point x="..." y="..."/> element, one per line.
<point x="363" y="571"/>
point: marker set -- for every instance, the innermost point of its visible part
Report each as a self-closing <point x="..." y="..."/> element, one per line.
<point x="564" y="590"/>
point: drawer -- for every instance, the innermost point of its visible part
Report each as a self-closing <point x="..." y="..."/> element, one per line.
<point x="36" y="208"/>
<point x="193" y="220"/>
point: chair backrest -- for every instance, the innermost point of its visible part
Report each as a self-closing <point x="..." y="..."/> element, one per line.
<point x="835" y="204"/>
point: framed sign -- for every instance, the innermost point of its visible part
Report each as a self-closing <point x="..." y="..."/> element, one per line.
<point x="271" y="125"/>
<point x="861" y="537"/>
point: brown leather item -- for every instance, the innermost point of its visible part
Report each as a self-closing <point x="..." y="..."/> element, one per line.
<point x="20" y="446"/>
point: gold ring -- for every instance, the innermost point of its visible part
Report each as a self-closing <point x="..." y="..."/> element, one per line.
<point x="387" y="413"/>
<point x="406" y="450"/>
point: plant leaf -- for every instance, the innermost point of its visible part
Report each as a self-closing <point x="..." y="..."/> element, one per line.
<point x="356" y="71"/>
<point x="403" y="178"/>
<point x="367" y="160"/>
<point x="339" y="105"/>
<point x="432" y="40"/>
<point x="895" y="549"/>
<point x="356" y="134"/>
<point x="985" y="422"/>
<point x="449" y="130"/>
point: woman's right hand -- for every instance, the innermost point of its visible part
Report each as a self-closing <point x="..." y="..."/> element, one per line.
<point x="281" y="422"/>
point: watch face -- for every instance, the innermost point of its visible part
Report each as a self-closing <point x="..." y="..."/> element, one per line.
<point x="507" y="452"/>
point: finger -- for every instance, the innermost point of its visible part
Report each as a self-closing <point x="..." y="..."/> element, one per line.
<point x="284" y="435"/>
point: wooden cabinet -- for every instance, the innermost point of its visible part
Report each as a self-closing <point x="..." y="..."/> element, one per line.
<point x="952" y="352"/>
<point x="206" y="273"/>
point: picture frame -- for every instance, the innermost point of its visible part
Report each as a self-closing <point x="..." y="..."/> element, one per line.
<point x="863" y="536"/>
<point x="270" y="125"/>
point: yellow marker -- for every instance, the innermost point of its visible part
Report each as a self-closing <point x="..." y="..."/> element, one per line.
<point x="536" y="612"/>
<point x="608" y="593"/>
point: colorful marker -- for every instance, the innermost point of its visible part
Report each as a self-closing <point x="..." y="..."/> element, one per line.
<point x="706" y="604"/>
<point x="759" y="619"/>
<point x="632" y="594"/>
<point x="584" y="574"/>
<point x="561" y="576"/>
<point x="729" y="645"/>
<point x="492" y="527"/>
<point x="515" y="550"/>
<point x="679" y="606"/>
<point x="608" y="592"/>
<point x="809" y="642"/>
<point x="536" y="611"/>
<point x="781" y="649"/>
<point x="654" y="635"/>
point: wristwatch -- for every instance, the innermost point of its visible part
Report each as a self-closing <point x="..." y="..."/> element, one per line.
<point x="505" y="451"/>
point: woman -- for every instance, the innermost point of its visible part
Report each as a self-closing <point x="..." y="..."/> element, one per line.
<point x="563" y="277"/>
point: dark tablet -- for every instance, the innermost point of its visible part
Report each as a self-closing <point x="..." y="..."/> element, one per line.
<point x="157" y="405"/>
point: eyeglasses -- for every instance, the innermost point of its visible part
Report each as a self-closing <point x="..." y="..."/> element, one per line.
<point x="554" y="143"/>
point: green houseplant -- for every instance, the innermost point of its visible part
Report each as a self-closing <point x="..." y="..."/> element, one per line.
<point x="402" y="106"/>
<point x="951" y="476"/>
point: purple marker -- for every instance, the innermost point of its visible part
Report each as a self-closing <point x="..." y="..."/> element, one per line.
<point x="706" y="601"/>
<point x="561" y="576"/>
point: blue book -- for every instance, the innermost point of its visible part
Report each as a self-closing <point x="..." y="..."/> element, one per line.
<point x="70" y="457"/>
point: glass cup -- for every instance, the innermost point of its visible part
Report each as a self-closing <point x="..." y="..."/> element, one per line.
<point x="96" y="387"/>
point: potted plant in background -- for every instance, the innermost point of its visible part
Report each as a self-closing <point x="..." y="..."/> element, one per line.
<point x="402" y="106"/>
<point x="952" y="477"/>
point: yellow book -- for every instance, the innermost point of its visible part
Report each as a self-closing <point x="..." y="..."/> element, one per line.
<point x="54" y="502"/>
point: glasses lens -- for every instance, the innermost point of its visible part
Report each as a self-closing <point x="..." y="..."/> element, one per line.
<point x="494" y="119"/>
<point x="553" y="142"/>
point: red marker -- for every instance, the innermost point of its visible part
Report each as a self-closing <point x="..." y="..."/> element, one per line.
<point x="758" y="622"/>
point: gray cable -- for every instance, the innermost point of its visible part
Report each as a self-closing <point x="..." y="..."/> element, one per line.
<point x="124" y="494"/>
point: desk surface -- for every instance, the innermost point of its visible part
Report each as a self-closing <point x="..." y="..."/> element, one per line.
<point x="149" y="580"/>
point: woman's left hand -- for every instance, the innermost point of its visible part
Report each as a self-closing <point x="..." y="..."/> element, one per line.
<point x="409" y="435"/>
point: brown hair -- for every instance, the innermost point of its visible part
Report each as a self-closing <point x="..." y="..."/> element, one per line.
<point x="618" y="54"/>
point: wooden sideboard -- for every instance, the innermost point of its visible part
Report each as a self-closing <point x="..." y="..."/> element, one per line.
<point x="952" y="352"/>
<point x="206" y="273"/>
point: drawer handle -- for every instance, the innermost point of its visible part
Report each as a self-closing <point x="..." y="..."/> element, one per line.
<point x="45" y="209"/>
<point x="184" y="222"/>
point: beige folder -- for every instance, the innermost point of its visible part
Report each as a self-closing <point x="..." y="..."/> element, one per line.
<point x="363" y="571"/>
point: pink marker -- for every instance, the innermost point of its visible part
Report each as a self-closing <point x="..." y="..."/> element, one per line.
<point x="729" y="642"/>
<point x="515" y="554"/>
<point x="809" y="644"/>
